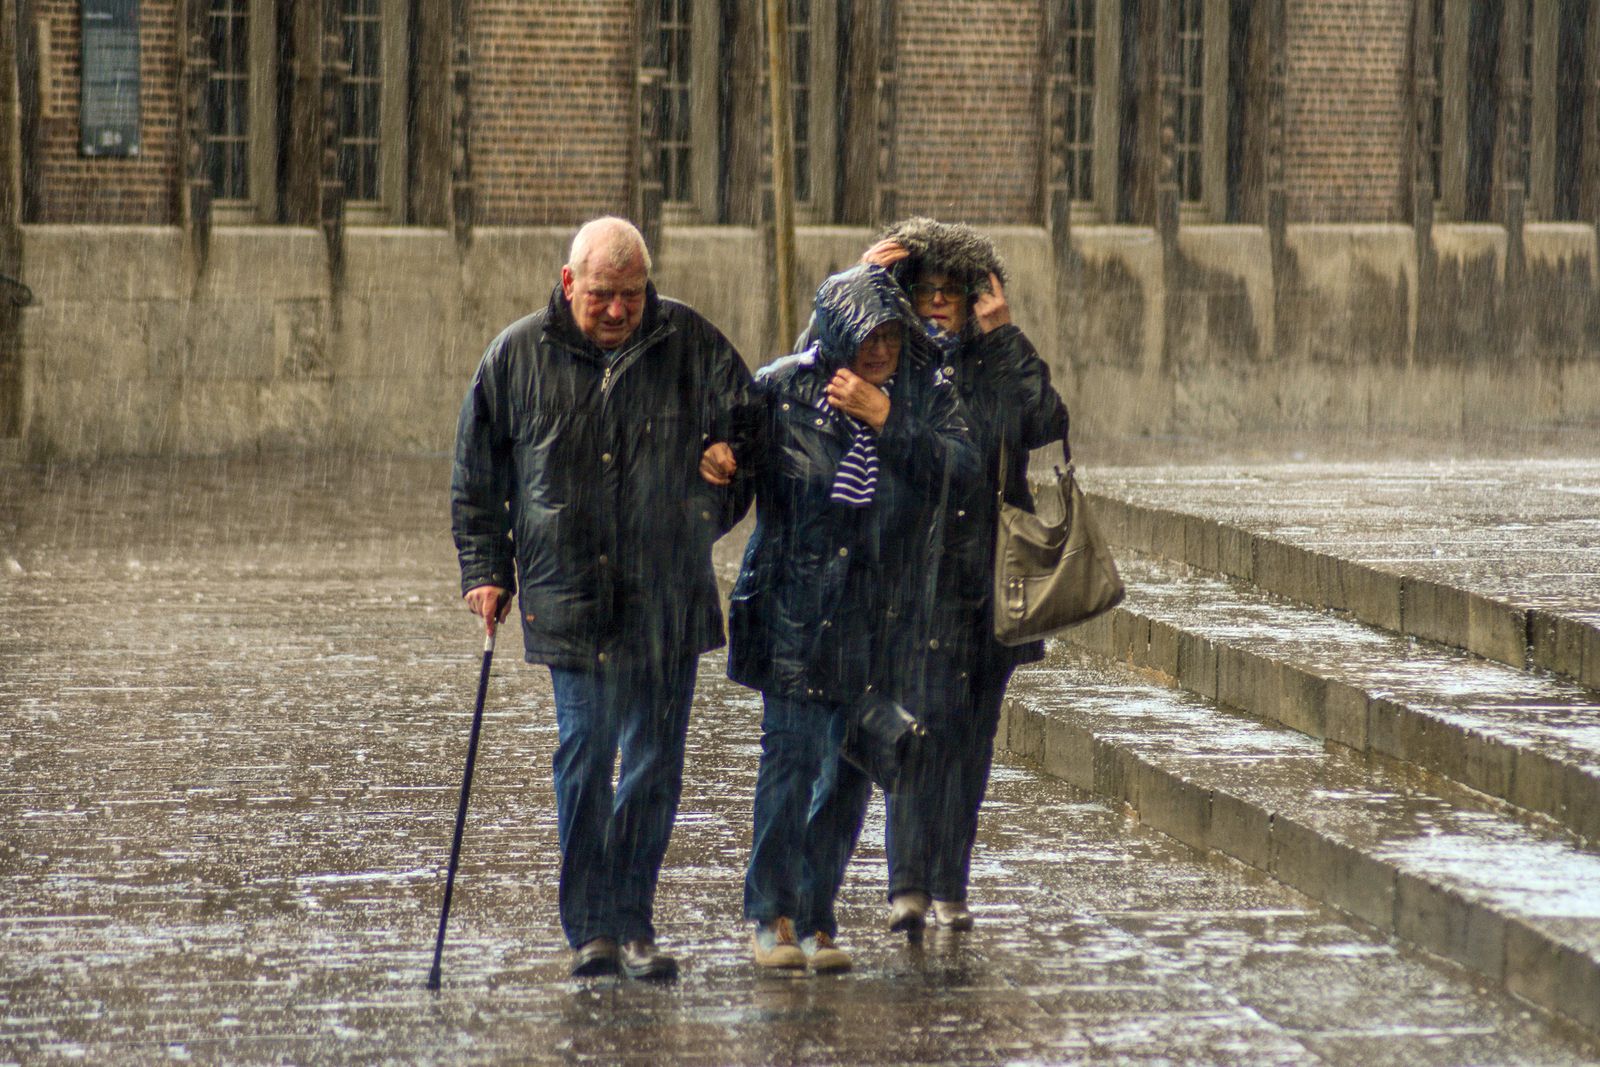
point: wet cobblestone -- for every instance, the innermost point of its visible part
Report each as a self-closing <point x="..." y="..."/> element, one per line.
<point x="234" y="699"/>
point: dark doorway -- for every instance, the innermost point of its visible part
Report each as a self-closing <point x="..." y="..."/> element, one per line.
<point x="1571" y="114"/>
<point x="1483" y="107"/>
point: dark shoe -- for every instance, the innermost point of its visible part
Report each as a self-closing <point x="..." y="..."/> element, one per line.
<point x="952" y="914"/>
<point x="825" y="957"/>
<point x="774" y="946"/>
<point x="641" y="959"/>
<point x="594" y="958"/>
<point x="909" y="912"/>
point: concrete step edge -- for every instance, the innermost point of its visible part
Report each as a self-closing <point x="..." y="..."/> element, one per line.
<point x="1528" y="960"/>
<point x="1492" y="628"/>
<point x="11" y="451"/>
<point x="1324" y="707"/>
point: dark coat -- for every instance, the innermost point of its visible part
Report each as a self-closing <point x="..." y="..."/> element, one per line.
<point x="1006" y="395"/>
<point x="822" y="582"/>
<point x="583" y="473"/>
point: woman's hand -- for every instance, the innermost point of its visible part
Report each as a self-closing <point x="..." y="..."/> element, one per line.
<point x="886" y="253"/>
<point x="717" y="465"/>
<point x="991" y="308"/>
<point x="859" y="398"/>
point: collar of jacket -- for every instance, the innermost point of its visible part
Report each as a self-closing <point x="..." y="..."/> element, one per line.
<point x="560" y="325"/>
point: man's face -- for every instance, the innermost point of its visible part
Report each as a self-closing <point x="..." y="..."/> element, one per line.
<point x="607" y="302"/>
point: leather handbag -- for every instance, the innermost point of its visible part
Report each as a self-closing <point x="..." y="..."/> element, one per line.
<point x="1050" y="573"/>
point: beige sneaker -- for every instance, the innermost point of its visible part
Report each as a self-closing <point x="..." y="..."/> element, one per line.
<point x="952" y="914"/>
<point x="824" y="955"/>
<point x="773" y="945"/>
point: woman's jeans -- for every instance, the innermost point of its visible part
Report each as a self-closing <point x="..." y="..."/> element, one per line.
<point x="613" y="840"/>
<point x="933" y="812"/>
<point x="809" y="807"/>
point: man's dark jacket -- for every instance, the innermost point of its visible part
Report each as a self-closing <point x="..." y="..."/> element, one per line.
<point x="828" y="593"/>
<point x="577" y="483"/>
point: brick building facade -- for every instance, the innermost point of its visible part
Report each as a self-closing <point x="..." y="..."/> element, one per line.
<point x="298" y="221"/>
<point x="966" y="110"/>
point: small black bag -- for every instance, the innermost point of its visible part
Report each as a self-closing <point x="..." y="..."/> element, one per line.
<point x="878" y="736"/>
<point x="879" y="732"/>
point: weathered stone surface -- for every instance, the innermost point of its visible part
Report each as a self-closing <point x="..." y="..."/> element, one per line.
<point x="1448" y="923"/>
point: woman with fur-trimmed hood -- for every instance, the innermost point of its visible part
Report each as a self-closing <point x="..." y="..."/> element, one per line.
<point x="956" y="281"/>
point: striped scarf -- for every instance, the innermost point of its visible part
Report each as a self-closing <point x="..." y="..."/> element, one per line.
<point x="857" y="477"/>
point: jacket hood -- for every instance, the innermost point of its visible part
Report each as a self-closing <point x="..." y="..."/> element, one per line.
<point x="952" y="248"/>
<point x="852" y="304"/>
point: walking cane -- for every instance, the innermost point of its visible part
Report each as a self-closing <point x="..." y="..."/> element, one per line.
<point x="461" y="811"/>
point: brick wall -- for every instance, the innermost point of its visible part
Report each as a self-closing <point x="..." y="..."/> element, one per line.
<point x="1347" y="123"/>
<point x="554" y="117"/>
<point x="553" y="112"/>
<point x="969" y="109"/>
<point x="76" y="188"/>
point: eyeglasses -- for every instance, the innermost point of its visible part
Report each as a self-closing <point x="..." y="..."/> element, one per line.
<point x="951" y="291"/>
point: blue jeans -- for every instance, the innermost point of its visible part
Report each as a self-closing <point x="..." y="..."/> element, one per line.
<point x="809" y="807"/>
<point x="613" y="840"/>
<point x="932" y="816"/>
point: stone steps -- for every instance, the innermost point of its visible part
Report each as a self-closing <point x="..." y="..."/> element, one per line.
<point x="1527" y="737"/>
<point x="11" y="452"/>
<point x="1392" y="587"/>
<point x="1422" y="857"/>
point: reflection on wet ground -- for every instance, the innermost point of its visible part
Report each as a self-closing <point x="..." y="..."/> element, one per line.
<point x="234" y="699"/>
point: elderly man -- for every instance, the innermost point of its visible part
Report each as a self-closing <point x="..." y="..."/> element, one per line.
<point x="592" y="475"/>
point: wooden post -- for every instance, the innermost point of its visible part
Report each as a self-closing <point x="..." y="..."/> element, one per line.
<point x="433" y="112"/>
<point x="463" y="202"/>
<point x="11" y="296"/>
<point x="330" y="200"/>
<point x="1513" y="170"/>
<point x="650" y="85"/>
<point x="1167" y="177"/>
<point x="888" y="101"/>
<point x="1055" y="193"/>
<point x="1423" y="191"/>
<point x="742" y="175"/>
<point x="782" y="165"/>
<point x="860" y="110"/>
<point x="195" y="207"/>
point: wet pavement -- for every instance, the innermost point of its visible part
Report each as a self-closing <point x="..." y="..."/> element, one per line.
<point x="234" y="699"/>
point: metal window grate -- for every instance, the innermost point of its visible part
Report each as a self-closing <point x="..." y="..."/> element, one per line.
<point x="1189" y="142"/>
<point x="1436" y="118"/>
<point x="800" y="94"/>
<point x="1077" y="76"/>
<point x="1525" y="112"/>
<point x="677" y="113"/>
<point x="227" y="103"/>
<point x="360" y="110"/>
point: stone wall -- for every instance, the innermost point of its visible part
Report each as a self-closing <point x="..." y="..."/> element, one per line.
<point x="124" y="352"/>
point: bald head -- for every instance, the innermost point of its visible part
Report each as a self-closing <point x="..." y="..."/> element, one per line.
<point x="607" y="242"/>
<point x="605" y="279"/>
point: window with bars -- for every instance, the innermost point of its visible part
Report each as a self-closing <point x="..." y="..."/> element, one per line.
<point x="1436" y="105"/>
<point x="1525" y="112"/>
<point x="800" y="41"/>
<point x="1189" y="147"/>
<point x="1077" y="74"/>
<point x="361" y="100"/>
<point x="227" y="100"/>
<point x="677" y="111"/>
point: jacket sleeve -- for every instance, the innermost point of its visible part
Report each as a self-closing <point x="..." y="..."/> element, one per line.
<point x="480" y="483"/>
<point x="924" y="444"/>
<point x="1022" y="385"/>
<point x="733" y="415"/>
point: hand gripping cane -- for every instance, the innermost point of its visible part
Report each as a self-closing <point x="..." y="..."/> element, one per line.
<point x="461" y="810"/>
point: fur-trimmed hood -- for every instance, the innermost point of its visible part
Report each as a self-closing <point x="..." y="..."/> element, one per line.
<point x="952" y="248"/>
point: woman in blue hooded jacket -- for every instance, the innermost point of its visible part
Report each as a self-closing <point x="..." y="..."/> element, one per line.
<point x="861" y="436"/>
